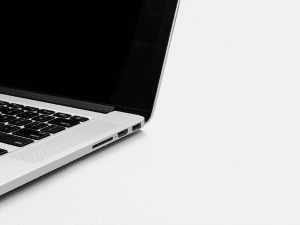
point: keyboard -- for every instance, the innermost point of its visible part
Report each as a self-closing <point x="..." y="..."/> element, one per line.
<point x="22" y="125"/>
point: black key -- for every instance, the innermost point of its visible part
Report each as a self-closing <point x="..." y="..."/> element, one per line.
<point x="29" y="108"/>
<point x="62" y="115"/>
<point x="20" y="122"/>
<point x="63" y="122"/>
<point x="32" y="125"/>
<point x="9" y="111"/>
<point x="2" y="124"/>
<point x="43" y="118"/>
<point x="3" y="107"/>
<point x="33" y="134"/>
<point x="28" y="114"/>
<point x="53" y="129"/>
<point x="79" y="118"/>
<point x="15" y="105"/>
<point x="36" y="125"/>
<point x="3" y="103"/>
<point x="5" y="118"/>
<point x="2" y="151"/>
<point x="17" y="112"/>
<point x="9" y="128"/>
<point x="14" y="140"/>
<point x="45" y="112"/>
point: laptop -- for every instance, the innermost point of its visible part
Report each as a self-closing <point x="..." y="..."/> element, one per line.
<point x="76" y="76"/>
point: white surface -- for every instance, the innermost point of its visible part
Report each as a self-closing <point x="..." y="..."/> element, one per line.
<point x="223" y="146"/>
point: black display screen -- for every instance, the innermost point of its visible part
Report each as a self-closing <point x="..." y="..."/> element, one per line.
<point x="99" y="51"/>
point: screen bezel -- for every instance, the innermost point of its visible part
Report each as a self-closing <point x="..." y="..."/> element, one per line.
<point x="163" y="43"/>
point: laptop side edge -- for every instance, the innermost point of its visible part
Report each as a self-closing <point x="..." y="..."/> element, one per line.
<point x="164" y="63"/>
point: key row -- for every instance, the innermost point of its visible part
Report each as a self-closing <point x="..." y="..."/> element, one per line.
<point x="22" y="137"/>
<point x="43" y="116"/>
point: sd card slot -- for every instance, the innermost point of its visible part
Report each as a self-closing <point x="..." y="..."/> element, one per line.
<point x="103" y="142"/>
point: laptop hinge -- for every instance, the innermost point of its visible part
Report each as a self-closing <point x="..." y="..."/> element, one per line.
<point x="96" y="107"/>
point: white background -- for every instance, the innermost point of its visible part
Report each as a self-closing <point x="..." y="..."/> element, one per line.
<point x="223" y="146"/>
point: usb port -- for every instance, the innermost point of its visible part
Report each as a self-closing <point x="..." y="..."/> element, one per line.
<point x="136" y="127"/>
<point x="122" y="133"/>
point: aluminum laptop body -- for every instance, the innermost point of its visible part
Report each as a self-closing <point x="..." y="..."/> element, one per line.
<point x="75" y="76"/>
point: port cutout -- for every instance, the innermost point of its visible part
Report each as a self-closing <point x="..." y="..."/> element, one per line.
<point x="122" y="133"/>
<point x="102" y="142"/>
<point x="136" y="127"/>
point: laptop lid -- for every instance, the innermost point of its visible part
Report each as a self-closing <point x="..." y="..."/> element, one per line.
<point x="95" y="55"/>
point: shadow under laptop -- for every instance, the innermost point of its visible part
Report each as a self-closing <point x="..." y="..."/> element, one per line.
<point x="42" y="181"/>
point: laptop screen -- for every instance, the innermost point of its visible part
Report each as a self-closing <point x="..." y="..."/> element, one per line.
<point x="108" y="52"/>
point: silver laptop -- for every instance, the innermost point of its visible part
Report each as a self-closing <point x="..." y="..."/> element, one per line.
<point x="75" y="76"/>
